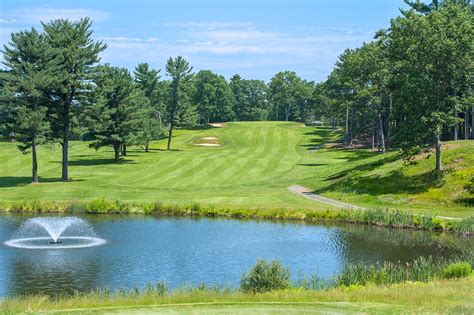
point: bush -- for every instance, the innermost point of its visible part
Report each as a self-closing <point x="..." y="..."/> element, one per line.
<point x="100" y="205"/>
<point x="457" y="270"/>
<point x="264" y="277"/>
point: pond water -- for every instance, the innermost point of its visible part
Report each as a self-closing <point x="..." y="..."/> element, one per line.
<point x="184" y="251"/>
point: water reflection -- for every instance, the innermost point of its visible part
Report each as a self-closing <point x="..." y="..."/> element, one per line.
<point x="52" y="272"/>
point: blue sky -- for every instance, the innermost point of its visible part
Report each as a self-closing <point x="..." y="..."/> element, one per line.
<point x="253" y="38"/>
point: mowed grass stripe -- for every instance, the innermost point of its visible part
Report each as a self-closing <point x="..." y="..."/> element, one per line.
<point x="265" y="156"/>
<point x="233" y="164"/>
<point x="272" y="167"/>
<point x="246" y="170"/>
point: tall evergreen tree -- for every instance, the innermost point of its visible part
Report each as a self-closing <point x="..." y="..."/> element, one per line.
<point x="72" y="43"/>
<point x="31" y="64"/>
<point x="151" y="111"/>
<point x="116" y="116"/>
<point x="180" y="72"/>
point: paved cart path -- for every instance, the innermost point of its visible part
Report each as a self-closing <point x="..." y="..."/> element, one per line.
<point x="307" y="192"/>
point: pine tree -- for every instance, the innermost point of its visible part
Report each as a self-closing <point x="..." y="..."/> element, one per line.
<point x="152" y="110"/>
<point x="31" y="64"/>
<point x="180" y="72"/>
<point x="115" y="117"/>
<point x="72" y="43"/>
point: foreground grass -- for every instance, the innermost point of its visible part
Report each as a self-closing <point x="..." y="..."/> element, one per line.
<point x="251" y="170"/>
<point x="443" y="296"/>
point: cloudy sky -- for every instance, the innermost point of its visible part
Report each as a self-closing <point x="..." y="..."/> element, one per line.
<point x="255" y="38"/>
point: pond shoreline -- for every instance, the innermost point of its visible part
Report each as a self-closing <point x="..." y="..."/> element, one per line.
<point x="397" y="219"/>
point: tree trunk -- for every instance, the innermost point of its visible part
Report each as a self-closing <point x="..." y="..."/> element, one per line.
<point x="373" y="136"/>
<point x="287" y="114"/>
<point x="472" y="122"/>
<point x="439" y="165"/>
<point x="124" y="150"/>
<point x="146" y="147"/>
<point x="65" y="144"/>
<point x="347" y="125"/>
<point x="117" y="152"/>
<point x="382" y="136"/>
<point x="174" y="103"/>
<point x="34" y="161"/>
<point x="389" y="119"/>
<point x="466" y="124"/>
<point x="351" y="126"/>
<point x="456" y="127"/>
<point x="160" y="121"/>
<point x="65" y="152"/>
<point x="170" y="134"/>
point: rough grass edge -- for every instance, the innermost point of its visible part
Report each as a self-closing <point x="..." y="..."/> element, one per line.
<point x="187" y="296"/>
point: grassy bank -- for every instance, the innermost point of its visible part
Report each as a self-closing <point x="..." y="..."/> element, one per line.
<point x="441" y="296"/>
<point x="252" y="169"/>
<point x="378" y="217"/>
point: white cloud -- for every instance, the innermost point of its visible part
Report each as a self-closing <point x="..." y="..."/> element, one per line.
<point x="36" y="15"/>
<point x="236" y="35"/>
<point x="210" y="25"/>
<point x="7" y="21"/>
<point x="121" y="39"/>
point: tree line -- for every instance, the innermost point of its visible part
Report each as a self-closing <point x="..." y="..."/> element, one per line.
<point x="409" y="89"/>
<point x="412" y="86"/>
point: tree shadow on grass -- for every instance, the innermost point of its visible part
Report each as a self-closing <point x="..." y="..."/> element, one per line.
<point x="200" y="127"/>
<point x="352" y="155"/>
<point x="312" y="164"/>
<point x="324" y="135"/>
<point x="94" y="162"/>
<point x="394" y="182"/>
<point x="170" y="150"/>
<point x="17" y="181"/>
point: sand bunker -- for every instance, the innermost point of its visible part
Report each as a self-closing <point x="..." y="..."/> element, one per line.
<point x="217" y="125"/>
<point x="207" y="142"/>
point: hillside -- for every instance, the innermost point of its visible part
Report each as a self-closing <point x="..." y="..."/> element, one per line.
<point x="246" y="165"/>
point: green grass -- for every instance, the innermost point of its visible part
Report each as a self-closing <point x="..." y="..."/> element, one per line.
<point x="440" y="297"/>
<point x="252" y="169"/>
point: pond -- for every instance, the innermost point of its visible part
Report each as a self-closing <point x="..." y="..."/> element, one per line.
<point x="185" y="251"/>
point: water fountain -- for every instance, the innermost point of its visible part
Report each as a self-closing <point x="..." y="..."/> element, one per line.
<point x="55" y="233"/>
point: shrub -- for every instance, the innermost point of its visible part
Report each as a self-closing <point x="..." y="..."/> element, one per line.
<point x="100" y="205"/>
<point x="457" y="270"/>
<point x="265" y="277"/>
